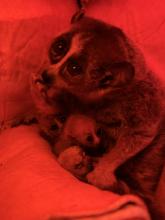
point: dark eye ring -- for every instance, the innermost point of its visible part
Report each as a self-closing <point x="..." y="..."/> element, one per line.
<point x="100" y="132"/>
<point x="54" y="127"/>
<point x="58" y="49"/>
<point x="61" y="118"/>
<point x="89" y="138"/>
<point x="74" y="68"/>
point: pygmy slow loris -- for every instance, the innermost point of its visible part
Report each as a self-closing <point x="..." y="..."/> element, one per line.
<point x="96" y="70"/>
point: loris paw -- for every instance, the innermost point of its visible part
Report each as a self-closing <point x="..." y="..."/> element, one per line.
<point x="76" y="161"/>
<point x="103" y="179"/>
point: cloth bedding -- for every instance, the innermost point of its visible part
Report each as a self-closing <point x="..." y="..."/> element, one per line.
<point x="23" y="51"/>
<point x="34" y="187"/>
<point x="32" y="184"/>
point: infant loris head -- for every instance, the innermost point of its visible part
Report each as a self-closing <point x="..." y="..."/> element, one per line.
<point x="81" y="141"/>
<point x="82" y="131"/>
<point x="90" y="59"/>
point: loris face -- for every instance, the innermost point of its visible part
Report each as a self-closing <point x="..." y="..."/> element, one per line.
<point x="83" y="131"/>
<point x="89" y="60"/>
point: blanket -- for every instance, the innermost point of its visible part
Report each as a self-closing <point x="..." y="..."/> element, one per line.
<point x="33" y="186"/>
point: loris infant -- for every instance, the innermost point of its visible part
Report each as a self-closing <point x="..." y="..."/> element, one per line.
<point x="80" y="144"/>
<point x="77" y="142"/>
<point x="96" y="70"/>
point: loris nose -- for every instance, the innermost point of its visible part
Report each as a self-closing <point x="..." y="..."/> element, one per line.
<point x="95" y="146"/>
<point x="47" y="78"/>
<point x="93" y="139"/>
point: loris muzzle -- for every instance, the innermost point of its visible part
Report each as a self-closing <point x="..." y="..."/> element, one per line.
<point x="80" y="142"/>
<point x="96" y="70"/>
<point x="82" y="130"/>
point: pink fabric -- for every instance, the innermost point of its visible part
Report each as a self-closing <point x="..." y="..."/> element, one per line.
<point x="34" y="187"/>
<point x="27" y="29"/>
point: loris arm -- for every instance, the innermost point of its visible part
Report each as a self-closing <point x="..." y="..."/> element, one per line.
<point x="141" y="111"/>
<point x="128" y="145"/>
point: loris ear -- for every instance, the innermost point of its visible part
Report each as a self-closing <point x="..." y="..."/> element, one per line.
<point x="117" y="75"/>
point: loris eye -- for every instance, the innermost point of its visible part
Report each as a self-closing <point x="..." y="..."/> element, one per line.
<point x="58" y="49"/>
<point x="54" y="127"/>
<point x="74" y="68"/>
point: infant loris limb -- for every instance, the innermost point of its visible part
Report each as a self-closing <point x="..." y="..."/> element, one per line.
<point x="75" y="160"/>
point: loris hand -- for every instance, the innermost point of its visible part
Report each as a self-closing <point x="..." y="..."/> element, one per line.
<point x="76" y="161"/>
<point x="104" y="179"/>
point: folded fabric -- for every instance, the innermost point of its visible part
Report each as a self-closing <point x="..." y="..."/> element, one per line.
<point x="23" y="51"/>
<point x="34" y="187"/>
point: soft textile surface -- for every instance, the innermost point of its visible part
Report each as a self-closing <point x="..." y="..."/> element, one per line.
<point x="23" y="51"/>
<point x="34" y="186"/>
<point x="27" y="29"/>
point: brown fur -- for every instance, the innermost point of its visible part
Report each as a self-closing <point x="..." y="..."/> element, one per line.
<point x="100" y="73"/>
<point x="81" y="130"/>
